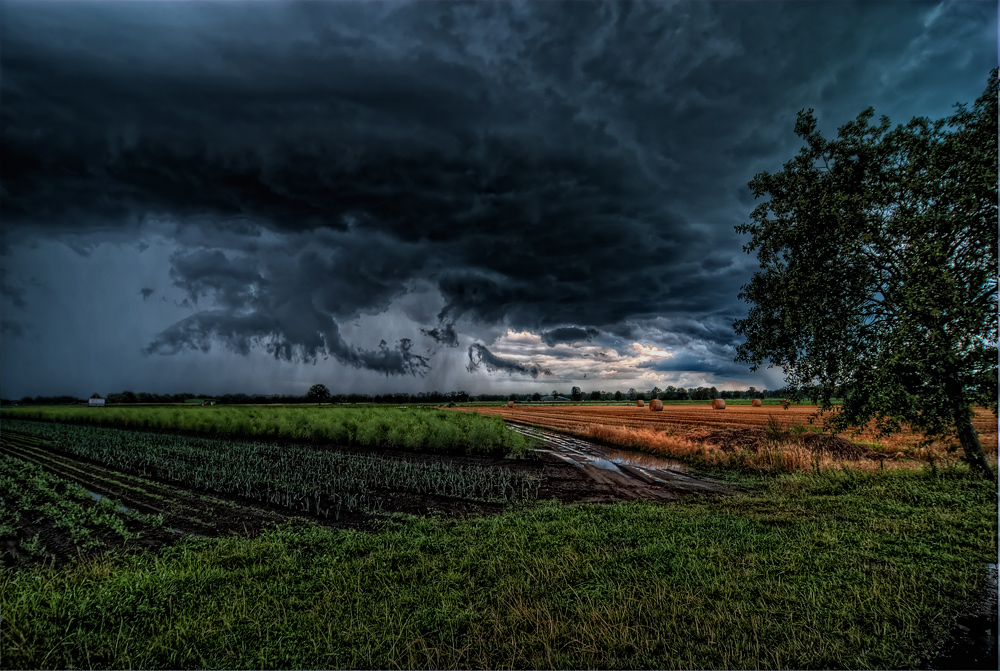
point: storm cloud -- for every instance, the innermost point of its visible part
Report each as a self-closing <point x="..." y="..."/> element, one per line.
<point x="321" y="179"/>
<point x="481" y="356"/>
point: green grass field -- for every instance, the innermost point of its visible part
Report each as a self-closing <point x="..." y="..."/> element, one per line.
<point x="836" y="570"/>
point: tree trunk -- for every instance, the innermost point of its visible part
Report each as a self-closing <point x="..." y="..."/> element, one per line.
<point x="969" y="440"/>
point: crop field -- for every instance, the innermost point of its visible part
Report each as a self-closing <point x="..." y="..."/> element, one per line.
<point x="411" y="429"/>
<point x="322" y="482"/>
<point x="766" y="437"/>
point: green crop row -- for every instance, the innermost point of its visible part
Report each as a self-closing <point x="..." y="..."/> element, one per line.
<point x="30" y="494"/>
<point x="320" y="482"/>
<point x="412" y="429"/>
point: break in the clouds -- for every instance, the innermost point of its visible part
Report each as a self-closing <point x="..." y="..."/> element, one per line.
<point x="227" y="196"/>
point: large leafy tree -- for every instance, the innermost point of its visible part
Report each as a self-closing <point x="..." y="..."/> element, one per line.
<point x="318" y="393"/>
<point x="878" y="271"/>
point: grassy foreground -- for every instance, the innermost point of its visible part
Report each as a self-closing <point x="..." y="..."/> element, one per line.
<point x="829" y="570"/>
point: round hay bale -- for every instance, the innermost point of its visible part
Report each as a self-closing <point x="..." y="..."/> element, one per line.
<point x="756" y="403"/>
<point x="639" y="403"/>
<point x="718" y="404"/>
<point x="510" y="404"/>
<point x="656" y="405"/>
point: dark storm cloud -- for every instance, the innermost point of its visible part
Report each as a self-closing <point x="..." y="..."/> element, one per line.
<point x="718" y="362"/>
<point x="568" y="334"/>
<point x="12" y="328"/>
<point x="14" y="293"/>
<point x="444" y="334"/>
<point x="480" y="356"/>
<point x="568" y="168"/>
<point x="289" y="334"/>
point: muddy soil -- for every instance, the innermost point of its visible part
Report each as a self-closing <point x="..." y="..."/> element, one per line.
<point x="569" y="470"/>
<point x="972" y="643"/>
<point x="613" y="474"/>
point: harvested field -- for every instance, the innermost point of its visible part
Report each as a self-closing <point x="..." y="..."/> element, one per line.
<point x="764" y="436"/>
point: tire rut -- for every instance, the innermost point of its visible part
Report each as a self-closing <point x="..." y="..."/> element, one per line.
<point x="630" y="474"/>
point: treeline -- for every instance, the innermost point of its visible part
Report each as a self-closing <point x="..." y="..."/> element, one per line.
<point x="319" y="393"/>
<point x="668" y="394"/>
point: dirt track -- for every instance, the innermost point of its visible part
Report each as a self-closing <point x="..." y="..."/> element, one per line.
<point x="622" y="474"/>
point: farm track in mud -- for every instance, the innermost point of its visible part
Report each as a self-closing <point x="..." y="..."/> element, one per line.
<point x="624" y="473"/>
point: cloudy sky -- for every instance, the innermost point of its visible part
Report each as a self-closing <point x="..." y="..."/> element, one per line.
<point x="411" y="196"/>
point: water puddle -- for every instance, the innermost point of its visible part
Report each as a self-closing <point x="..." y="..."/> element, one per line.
<point x="98" y="497"/>
<point x="647" y="461"/>
<point x="603" y="463"/>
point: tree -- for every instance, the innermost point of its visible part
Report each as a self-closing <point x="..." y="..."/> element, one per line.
<point x="318" y="393"/>
<point x="878" y="280"/>
<point x="576" y="394"/>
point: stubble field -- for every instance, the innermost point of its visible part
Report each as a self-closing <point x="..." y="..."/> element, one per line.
<point x="761" y="438"/>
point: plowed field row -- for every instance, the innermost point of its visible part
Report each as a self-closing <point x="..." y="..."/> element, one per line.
<point x="198" y="514"/>
<point x="575" y="419"/>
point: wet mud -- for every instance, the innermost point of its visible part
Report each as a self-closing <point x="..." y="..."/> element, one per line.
<point x="972" y="643"/>
<point x="615" y="475"/>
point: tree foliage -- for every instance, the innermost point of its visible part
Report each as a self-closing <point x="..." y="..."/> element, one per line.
<point x="878" y="271"/>
<point x="318" y="393"/>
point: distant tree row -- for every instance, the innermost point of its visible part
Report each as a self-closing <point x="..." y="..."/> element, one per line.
<point x="319" y="393"/>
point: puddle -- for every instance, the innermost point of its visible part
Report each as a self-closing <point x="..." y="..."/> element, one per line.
<point x="646" y="461"/>
<point x="602" y="463"/>
<point x="98" y="497"/>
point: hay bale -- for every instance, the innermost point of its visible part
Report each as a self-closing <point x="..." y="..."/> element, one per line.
<point x="718" y="404"/>
<point x="510" y="404"/>
<point x="756" y="403"/>
<point x="656" y="405"/>
<point x="639" y="403"/>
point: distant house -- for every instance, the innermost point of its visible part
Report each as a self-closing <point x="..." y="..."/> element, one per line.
<point x="96" y="403"/>
<point x="557" y="399"/>
<point x="202" y="401"/>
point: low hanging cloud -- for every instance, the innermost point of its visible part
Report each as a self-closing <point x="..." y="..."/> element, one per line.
<point x="568" y="334"/>
<point x="307" y="339"/>
<point x="479" y="355"/>
<point x="444" y="334"/>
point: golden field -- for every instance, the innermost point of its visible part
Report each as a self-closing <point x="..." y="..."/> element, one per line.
<point x="766" y="437"/>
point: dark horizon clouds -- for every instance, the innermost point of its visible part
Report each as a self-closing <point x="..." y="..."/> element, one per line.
<point x="415" y="195"/>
